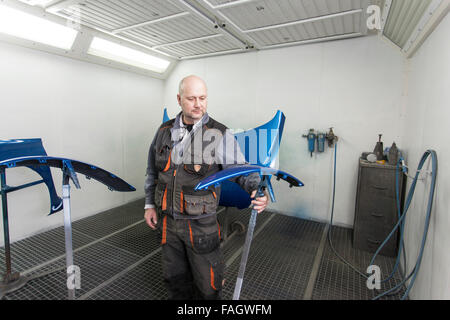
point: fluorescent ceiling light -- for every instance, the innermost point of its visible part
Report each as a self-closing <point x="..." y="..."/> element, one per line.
<point x="41" y="3"/>
<point x="116" y="52"/>
<point x="27" y="26"/>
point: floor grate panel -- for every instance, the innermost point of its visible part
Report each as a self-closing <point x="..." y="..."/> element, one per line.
<point x="97" y="263"/>
<point x="141" y="283"/>
<point x="139" y="239"/>
<point x="38" y="249"/>
<point x="120" y="259"/>
<point x="337" y="281"/>
<point x="275" y="269"/>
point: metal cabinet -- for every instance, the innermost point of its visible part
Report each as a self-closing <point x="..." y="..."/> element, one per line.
<point x="376" y="208"/>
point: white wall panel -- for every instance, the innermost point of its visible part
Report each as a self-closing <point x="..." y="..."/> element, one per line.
<point x="82" y="111"/>
<point x="427" y="126"/>
<point x="357" y="91"/>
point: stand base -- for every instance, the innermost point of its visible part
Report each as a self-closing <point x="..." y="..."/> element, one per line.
<point x="13" y="283"/>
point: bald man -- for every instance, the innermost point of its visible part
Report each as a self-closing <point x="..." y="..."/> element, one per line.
<point x="192" y="262"/>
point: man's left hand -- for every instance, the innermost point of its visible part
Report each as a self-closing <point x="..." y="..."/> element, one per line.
<point x="259" y="203"/>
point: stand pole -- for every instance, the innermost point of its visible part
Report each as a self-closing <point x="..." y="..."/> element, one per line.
<point x="5" y="225"/>
<point x="11" y="281"/>
<point x="68" y="239"/>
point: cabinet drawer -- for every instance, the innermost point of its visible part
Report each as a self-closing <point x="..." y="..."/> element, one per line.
<point x="376" y="212"/>
<point x="378" y="183"/>
<point x="369" y="239"/>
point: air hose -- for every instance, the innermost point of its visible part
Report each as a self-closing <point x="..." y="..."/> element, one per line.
<point x="400" y="224"/>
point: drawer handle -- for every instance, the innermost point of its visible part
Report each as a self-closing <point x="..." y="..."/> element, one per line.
<point x="377" y="215"/>
<point x="377" y="242"/>
<point x="379" y="188"/>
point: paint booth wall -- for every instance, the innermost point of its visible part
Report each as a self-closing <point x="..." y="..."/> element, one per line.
<point x="81" y="111"/>
<point x="426" y="126"/>
<point x="352" y="85"/>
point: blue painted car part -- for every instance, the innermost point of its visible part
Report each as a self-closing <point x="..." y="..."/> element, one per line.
<point x="265" y="173"/>
<point x="232" y="195"/>
<point x="15" y="148"/>
<point x="90" y="171"/>
<point x="165" y="116"/>
<point x="234" y="172"/>
<point x="30" y="153"/>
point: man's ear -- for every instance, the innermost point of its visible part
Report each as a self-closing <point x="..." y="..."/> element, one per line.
<point x="179" y="99"/>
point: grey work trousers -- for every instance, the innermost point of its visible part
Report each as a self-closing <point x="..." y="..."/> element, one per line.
<point x="192" y="261"/>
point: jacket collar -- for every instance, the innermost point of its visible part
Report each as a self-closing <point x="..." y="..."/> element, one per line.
<point x="178" y="131"/>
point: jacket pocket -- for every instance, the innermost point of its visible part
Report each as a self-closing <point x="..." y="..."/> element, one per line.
<point x="199" y="204"/>
<point x="161" y="196"/>
<point x="203" y="239"/>
<point x="217" y="269"/>
<point x="163" y="158"/>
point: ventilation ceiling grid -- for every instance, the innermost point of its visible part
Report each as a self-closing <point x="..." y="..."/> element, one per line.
<point x="407" y="19"/>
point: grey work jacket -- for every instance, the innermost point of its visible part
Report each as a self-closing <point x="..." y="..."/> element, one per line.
<point x="179" y="159"/>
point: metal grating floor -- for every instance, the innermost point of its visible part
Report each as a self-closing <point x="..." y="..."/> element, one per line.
<point x="120" y="259"/>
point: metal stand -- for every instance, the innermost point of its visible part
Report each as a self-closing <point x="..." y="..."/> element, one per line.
<point x="14" y="281"/>
<point x="11" y="281"/>
<point x="68" y="173"/>
<point x="265" y="183"/>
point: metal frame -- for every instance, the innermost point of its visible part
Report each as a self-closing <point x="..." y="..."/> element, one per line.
<point x="190" y="8"/>
<point x="251" y="43"/>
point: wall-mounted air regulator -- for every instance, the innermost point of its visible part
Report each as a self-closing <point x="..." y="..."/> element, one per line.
<point x="331" y="138"/>
<point x="312" y="136"/>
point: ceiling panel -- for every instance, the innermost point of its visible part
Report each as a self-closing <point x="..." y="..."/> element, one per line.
<point x="185" y="28"/>
<point x="168" y="31"/>
<point x="200" y="47"/>
<point x="115" y="14"/>
<point x="256" y="14"/>
<point x="308" y="31"/>
<point x="403" y="18"/>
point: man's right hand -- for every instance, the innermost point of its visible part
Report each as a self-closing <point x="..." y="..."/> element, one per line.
<point x="151" y="218"/>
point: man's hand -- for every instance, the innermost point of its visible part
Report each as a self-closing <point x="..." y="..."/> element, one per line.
<point x="151" y="218"/>
<point x="259" y="203"/>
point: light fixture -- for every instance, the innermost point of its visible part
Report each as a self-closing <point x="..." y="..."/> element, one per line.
<point x="26" y="26"/>
<point x="40" y="3"/>
<point x="116" y="52"/>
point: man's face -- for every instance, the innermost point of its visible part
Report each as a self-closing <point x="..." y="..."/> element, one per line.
<point x="193" y="100"/>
